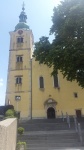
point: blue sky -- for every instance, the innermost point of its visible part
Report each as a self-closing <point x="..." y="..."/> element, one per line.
<point x="39" y="14"/>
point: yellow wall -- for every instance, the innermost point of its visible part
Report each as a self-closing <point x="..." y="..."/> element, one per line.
<point x="22" y="69"/>
<point x="66" y="102"/>
<point x="31" y="95"/>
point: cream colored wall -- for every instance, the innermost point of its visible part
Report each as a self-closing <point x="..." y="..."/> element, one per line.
<point x="24" y="89"/>
<point x="8" y="134"/>
<point x="66" y="102"/>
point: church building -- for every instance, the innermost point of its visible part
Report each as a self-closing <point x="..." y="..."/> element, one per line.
<point x="31" y="89"/>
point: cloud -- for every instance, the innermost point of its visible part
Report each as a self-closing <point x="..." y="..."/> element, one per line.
<point x="1" y="82"/>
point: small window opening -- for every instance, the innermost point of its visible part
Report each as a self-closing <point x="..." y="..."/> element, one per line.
<point x="75" y="94"/>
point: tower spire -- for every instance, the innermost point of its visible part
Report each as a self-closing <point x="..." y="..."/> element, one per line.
<point x="22" y="20"/>
<point x="23" y="6"/>
<point x="23" y="16"/>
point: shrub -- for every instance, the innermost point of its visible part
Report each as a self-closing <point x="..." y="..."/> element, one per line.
<point x="9" y="117"/>
<point x="19" y="144"/>
<point x="9" y="113"/>
<point x="20" y="130"/>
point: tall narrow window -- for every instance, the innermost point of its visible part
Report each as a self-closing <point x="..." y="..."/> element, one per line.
<point x="19" y="40"/>
<point x="41" y="82"/>
<point x="18" y="80"/>
<point x="55" y="78"/>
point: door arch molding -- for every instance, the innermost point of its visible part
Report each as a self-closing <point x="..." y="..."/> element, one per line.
<point x="50" y="103"/>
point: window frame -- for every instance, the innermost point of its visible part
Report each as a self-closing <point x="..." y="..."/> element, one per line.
<point x="19" y="58"/>
<point x="41" y="83"/>
<point x="20" y="40"/>
<point x="54" y="84"/>
<point x="19" y="80"/>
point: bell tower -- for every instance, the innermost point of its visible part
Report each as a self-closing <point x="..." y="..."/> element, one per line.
<point x="18" y="92"/>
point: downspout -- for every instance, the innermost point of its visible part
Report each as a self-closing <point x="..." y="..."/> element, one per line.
<point x="31" y="88"/>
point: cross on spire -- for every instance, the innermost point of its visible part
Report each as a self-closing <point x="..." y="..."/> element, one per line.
<point x="23" y="6"/>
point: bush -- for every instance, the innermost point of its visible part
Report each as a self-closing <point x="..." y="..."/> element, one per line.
<point x="9" y="117"/>
<point x="19" y="144"/>
<point x="20" y="130"/>
<point x="9" y="113"/>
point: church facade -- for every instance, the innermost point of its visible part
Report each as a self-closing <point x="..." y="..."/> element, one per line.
<point x="31" y="89"/>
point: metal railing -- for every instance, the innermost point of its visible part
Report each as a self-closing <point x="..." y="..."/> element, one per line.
<point x="76" y="124"/>
<point x="68" y="120"/>
<point x="78" y="130"/>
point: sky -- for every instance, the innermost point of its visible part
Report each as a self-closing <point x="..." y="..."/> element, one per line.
<point x="39" y="14"/>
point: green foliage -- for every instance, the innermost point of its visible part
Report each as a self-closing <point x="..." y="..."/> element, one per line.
<point x="20" y="130"/>
<point x="66" y="53"/>
<point x="9" y="113"/>
<point x="19" y="144"/>
<point x="42" y="49"/>
<point x="9" y="117"/>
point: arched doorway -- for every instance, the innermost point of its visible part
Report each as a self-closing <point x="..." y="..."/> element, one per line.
<point x="50" y="113"/>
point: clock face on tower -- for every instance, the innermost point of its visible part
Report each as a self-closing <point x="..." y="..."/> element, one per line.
<point x="20" y="32"/>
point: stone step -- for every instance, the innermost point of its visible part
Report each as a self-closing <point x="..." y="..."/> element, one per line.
<point x="44" y="142"/>
<point x="53" y="146"/>
<point x="49" y="134"/>
<point x="49" y="141"/>
<point x="46" y="126"/>
<point x="57" y="120"/>
<point x="56" y="148"/>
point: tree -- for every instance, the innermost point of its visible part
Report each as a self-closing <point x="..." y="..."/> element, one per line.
<point x="66" y="52"/>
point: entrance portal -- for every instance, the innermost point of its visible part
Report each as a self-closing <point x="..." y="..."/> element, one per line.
<point x="78" y="113"/>
<point x="51" y="113"/>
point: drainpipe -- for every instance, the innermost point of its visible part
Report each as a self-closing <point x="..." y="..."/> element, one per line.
<point x="31" y="87"/>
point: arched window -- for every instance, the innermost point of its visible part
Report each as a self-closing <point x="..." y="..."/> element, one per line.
<point x="56" y="83"/>
<point x="41" y="82"/>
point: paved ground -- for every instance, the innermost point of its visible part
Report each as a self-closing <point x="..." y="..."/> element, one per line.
<point x="63" y="149"/>
<point x="68" y="149"/>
